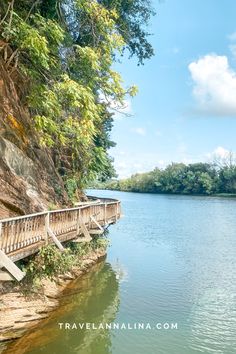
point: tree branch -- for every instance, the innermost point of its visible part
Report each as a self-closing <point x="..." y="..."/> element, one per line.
<point x="6" y="14"/>
<point x="31" y="9"/>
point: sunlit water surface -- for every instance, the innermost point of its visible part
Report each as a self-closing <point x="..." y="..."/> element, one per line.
<point x="172" y="260"/>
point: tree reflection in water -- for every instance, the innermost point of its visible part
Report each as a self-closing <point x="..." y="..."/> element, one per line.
<point x="94" y="298"/>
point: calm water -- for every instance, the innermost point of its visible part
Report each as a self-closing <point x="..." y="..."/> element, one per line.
<point x="172" y="260"/>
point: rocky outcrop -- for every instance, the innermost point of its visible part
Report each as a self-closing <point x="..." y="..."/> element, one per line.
<point x="29" y="181"/>
<point x="21" y="312"/>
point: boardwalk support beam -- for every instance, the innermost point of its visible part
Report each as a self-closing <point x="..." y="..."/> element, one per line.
<point x="10" y="266"/>
<point x="85" y="232"/>
<point x="96" y="223"/>
<point x="23" y="236"/>
<point x="55" y="239"/>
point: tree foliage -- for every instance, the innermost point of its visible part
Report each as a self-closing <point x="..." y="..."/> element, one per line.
<point x="64" y="52"/>
<point x="178" y="178"/>
<point x="133" y="18"/>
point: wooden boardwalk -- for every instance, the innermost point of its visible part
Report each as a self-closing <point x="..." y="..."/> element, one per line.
<point x="23" y="236"/>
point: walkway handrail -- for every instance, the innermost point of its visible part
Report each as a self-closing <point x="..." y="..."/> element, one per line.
<point x="19" y="232"/>
<point x="102" y="201"/>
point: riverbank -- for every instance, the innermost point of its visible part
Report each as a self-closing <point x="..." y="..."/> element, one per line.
<point x="22" y="312"/>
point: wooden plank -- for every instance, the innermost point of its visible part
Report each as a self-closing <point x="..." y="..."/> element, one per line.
<point x="25" y="251"/>
<point x="96" y="232"/>
<point x="19" y="233"/>
<point x="82" y="239"/>
<point x="11" y="267"/>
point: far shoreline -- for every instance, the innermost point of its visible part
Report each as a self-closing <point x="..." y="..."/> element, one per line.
<point x="217" y="195"/>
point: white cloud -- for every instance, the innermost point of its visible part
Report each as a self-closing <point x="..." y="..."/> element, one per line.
<point x="139" y="131"/>
<point x="119" y="111"/>
<point x="222" y="156"/>
<point x="187" y="160"/>
<point x="232" y="45"/>
<point x="161" y="163"/>
<point x="232" y="37"/>
<point x="122" y="111"/>
<point x="135" y="162"/>
<point x="126" y="108"/>
<point x="232" y="48"/>
<point x="220" y="152"/>
<point x="129" y="167"/>
<point x="214" y="85"/>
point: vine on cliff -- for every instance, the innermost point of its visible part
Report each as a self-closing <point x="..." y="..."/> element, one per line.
<point x="64" y="50"/>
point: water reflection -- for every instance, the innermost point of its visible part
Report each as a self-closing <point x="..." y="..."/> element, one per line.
<point x="175" y="259"/>
<point x="120" y="271"/>
<point x="91" y="299"/>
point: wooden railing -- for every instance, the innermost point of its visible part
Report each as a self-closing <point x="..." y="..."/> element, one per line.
<point x="20" y="233"/>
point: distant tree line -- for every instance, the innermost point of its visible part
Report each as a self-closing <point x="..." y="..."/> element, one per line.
<point x="178" y="178"/>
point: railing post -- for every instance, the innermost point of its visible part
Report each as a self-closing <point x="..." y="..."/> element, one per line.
<point x="46" y="224"/>
<point x="105" y="213"/>
<point x="19" y="232"/>
<point x="78" y="223"/>
<point x="117" y="210"/>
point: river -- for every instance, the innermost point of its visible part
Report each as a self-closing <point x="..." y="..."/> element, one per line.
<point x="170" y="269"/>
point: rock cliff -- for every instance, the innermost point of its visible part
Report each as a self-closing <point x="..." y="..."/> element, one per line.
<point x="29" y="181"/>
<point x="23" y="312"/>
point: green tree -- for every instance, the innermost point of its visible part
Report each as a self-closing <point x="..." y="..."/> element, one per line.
<point x="178" y="178"/>
<point x="171" y="179"/>
<point x="227" y="179"/>
<point x="133" y="18"/>
<point x="64" y="51"/>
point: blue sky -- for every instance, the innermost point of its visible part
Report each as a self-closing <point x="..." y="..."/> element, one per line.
<point x="186" y="106"/>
